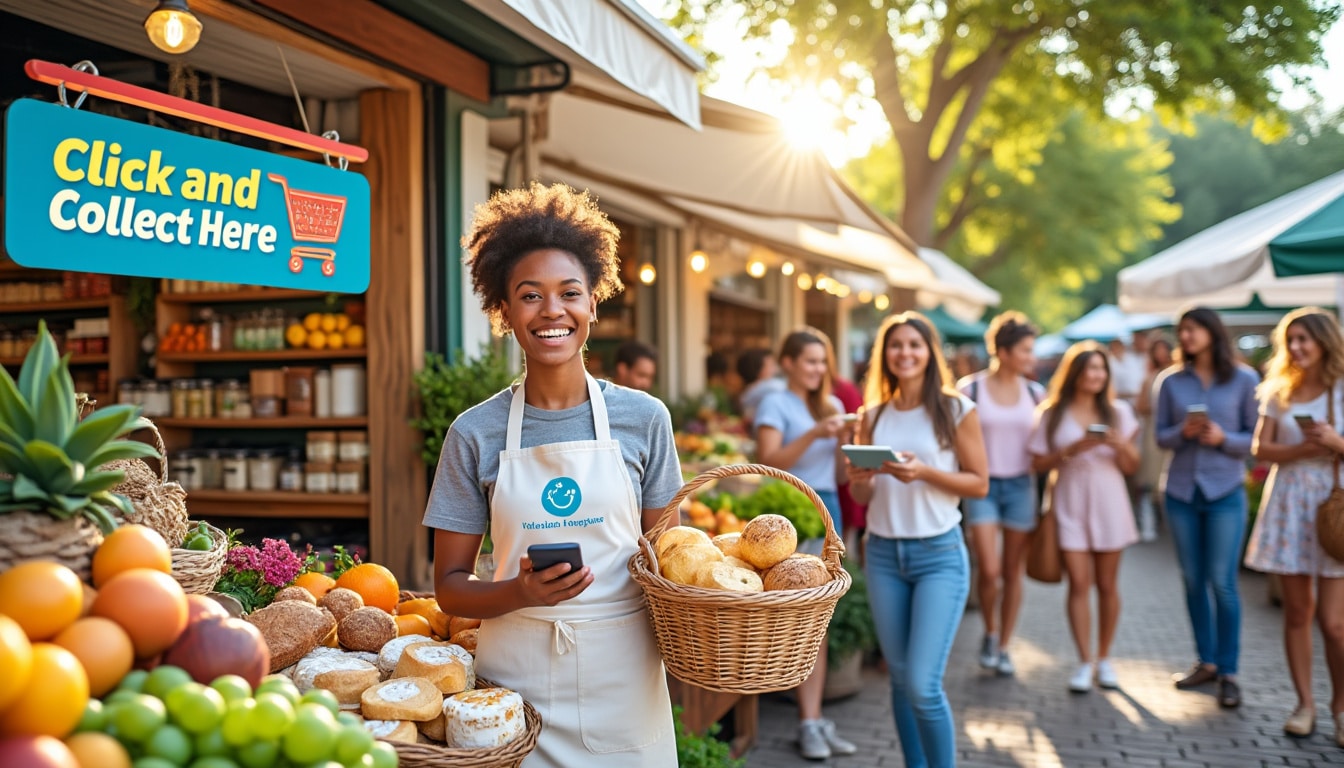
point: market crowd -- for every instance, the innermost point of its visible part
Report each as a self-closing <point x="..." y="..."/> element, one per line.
<point x="918" y="471"/>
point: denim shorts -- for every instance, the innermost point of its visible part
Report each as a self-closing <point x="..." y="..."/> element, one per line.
<point x="1011" y="502"/>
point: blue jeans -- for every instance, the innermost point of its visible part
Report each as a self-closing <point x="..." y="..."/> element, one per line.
<point x="917" y="589"/>
<point x="1208" y="537"/>
<point x="1011" y="502"/>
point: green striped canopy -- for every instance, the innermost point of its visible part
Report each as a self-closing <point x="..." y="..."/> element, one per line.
<point x="1313" y="246"/>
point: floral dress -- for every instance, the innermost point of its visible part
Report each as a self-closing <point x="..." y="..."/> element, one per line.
<point x="1284" y="538"/>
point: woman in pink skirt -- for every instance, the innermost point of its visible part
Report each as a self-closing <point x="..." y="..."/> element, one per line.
<point x="1087" y="438"/>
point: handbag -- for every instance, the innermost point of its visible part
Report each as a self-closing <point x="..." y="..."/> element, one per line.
<point x="1045" y="561"/>
<point x="1330" y="514"/>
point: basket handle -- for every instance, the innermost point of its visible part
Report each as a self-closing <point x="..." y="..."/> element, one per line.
<point x="832" y="551"/>
<point x="144" y="423"/>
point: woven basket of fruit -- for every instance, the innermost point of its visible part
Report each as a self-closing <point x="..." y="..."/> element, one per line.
<point x="510" y="755"/>
<point x="199" y="561"/>
<point x="742" y="613"/>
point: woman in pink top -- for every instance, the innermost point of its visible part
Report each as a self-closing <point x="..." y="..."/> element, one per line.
<point x="1006" y="400"/>
<point x="1086" y="437"/>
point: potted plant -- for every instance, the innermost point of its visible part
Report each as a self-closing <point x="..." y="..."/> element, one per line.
<point x="55" y="503"/>
<point x="449" y="388"/>
<point x="849" y="636"/>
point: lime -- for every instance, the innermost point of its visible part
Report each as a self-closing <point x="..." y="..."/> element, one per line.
<point x="153" y="762"/>
<point x="164" y="678"/>
<point x="212" y="743"/>
<point x="236" y="727"/>
<point x="352" y="743"/>
<point x="94" y="717"/>
<point x="324" y="697"/>
<point x="312" y="736"/>
<point x="195" y="707"/>
<point x="384" y="755"/>
<point x="232" y="687"/>
<point x="170" y="743"/>
<point x="214" y="761"/>
<point x="258" y="754"/>
<point x="134" y="681"/>
<point x="271" y="717"/>
<point x="138" y="718"/>
<point x="118" y="696"/>
<point x="281" y="685"/>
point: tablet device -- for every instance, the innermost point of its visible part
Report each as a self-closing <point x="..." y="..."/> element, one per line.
<point x="543" y="556"/>
<point x="869" y="456"/>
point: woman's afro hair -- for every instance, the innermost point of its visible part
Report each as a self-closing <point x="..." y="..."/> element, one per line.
<point x="516" y="222"/>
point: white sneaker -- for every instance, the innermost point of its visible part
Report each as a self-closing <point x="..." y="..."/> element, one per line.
<point x="1106" y="676"/>
<point x="989" y="652"/>
<point x="1081" y="682"/>
<point x="1006" y="668"/>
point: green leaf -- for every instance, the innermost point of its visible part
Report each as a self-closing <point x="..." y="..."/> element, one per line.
<point x="94" y="482"/>
<point x="55" y="411"/>
<point x="97" y="513"/>
<point x="70" y="504"/>
<point x="14" y="462"/>
<point x="121" y="449"/>
<point x="54" y="471"/>
<point x="98" y="429"/>
<point x="14" y="409"/>
<point x="115" y="500"/>
<point x="27" y="489"/>
<point x="9" y="437"/>
<point x="37" y="366"/>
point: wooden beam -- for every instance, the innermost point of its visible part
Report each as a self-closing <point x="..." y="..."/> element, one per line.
<point x="394" y="39"/>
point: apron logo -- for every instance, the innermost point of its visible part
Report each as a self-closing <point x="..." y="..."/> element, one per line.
<point x="561" y="497"/>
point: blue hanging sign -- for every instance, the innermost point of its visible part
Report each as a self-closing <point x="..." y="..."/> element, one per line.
<point x="92" y="193"/>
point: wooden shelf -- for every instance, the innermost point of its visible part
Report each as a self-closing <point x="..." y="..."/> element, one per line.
<point x="284" y="422"/>
<point x="42" y="307"/>
<point x="282" y="504"/>
<point x="14" y="362"/>
<point x="278" y="355"/>
<point x="245" y="294"/>
<point x="14" y="269"/>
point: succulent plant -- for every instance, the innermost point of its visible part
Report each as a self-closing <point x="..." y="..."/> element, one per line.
<point x="49" y="459"/>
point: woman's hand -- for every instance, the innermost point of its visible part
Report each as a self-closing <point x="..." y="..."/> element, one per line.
<point x="859" y="474"/>
<point x="907" y="471"/>
<point x="1084" y="444"/>
<point x="1192" y="428"/>
<point x="1324" y="436"/>
<point x="1211" y="434"/>
<point x="831" y="426"/>
<point x="553" y="585"/>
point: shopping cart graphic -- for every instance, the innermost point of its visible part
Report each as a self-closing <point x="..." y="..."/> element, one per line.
<point x="314" y="217"/>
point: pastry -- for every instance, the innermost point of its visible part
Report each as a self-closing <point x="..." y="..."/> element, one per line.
<point x="483" y="718"/>
<point x="392" y="730"/>
<point x="391" y="651"/>
<point x="402" y="698"/>
<point x="441" y="663"/>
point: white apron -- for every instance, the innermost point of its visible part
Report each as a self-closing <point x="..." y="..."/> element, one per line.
<point x="589" y="665"/>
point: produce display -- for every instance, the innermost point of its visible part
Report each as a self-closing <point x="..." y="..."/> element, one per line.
<point x="761" y="557"/>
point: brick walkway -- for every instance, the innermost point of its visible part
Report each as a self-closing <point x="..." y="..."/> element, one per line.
<point x="1032" y="721"/>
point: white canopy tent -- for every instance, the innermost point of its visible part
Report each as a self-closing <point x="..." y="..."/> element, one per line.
<point x="1227" y="265"/>
<point x="959" y="292"/>
<point x="1107" y="321"/>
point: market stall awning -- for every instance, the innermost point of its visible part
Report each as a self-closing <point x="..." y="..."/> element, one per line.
<point x="958" y="292"/>
<point x="1230" y="256"/>
<point x="1107" y="321"/>
<point x="1314" y="245"/>
<point x="953" y="329"/>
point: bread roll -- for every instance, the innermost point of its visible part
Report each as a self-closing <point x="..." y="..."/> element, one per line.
<point x="729" y="543"/>
<point x="440" y="663"/>
<point x="402" y="698"/>
<point x="433" y="729"/>
<point x="484" y="718"/>
<point x="729" y="578"/>
<point x="319" y="671"/>
<point x="291" y="629"/>
<point x="341" y="602"/>
<point x="738" y="562"/>
<point x="796" y="572"/>
<point x="682" y="534"/>
<point x="459" y="623"/>
<point x="366" y="629"/>
<point x="683" y="563"/>
<point x="467" y="639"/>
<point x="767" y="540"/>
<point x="295" y="593"/>
<point x="391" y="651"/>
<point x="392" y="730"/>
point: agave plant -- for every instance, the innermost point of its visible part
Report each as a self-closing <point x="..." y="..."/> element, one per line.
<point x="49" y="459"/>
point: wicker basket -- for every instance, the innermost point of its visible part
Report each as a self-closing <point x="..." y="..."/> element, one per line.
<point x="197" y="570"/>
<point x="157" y="502"/>
<point x="728" y="641"/>
<point x="510" y="755"/>
<point x="38" y="536"/>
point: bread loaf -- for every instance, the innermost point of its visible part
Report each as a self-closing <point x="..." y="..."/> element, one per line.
<point x="392" y="649"/>
<point x="440" y="663"/>
<point x="366" y="629"/>
<point x="796" y="572"/>
<point x="402" y="698"/>
<point x="683" y="562"/>
<point x="466" y="639"/>
<point x="767" y="540"/>
<point x="728" y="543"/>
<point x="341" y="601"/>
<point x="484" y="718"/>
<point x="433" y="729"/>
<point x="392" y="730"/>
<point x="682" y="534"/>
<point x="291" y="629"/>
<point x="346" y="677"/>
<point x="729" y="578"/>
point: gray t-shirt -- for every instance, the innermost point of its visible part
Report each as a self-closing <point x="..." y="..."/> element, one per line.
<point x="469" y="463"/>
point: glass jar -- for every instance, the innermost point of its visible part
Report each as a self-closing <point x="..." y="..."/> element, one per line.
<point x="212" y="465"/>
<point x="243" y="408"/>
<point x="291" y="472"/>
<point x="155" y="399"/>
<point x="352" y="446"/>
<point x="226" y="398"/>
<point x="321" y="446"/>
<point x="207" y="388"/>
<point x="319" y="477"/>
<point x="181" y="398"/>
<point x="214" y="331"/>
<point x="128" y="392"/>
<point x="234" y="470"/>
<point x="8" y="344"/>
<point x="198" y="471"/>
<point x="299" y="390"/>
<point x="349" y="477"/>
<point x="195" y="399"/>
<point x="263" y="470"/>
<point x="181" y="470"/>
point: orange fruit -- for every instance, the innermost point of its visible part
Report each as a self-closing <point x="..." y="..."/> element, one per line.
<point x="43" y="597"/>
<point x="317" y="584"/>
<point x="16" y="659"/>
<point x="54" y="701"/>
<point x="429" y="608"/>
<point x="131" y="546"/>
<point x="374" y="583"/>
<point x="149" y="605"/>
<point x="354" y="336"/>
<point x="98" y="750"/>
<point x="104" y="649"/>
<point x="412" y="624"/>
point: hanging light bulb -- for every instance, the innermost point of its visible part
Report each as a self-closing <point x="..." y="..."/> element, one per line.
<point x="881" y="302"/>
<point x="756" y="268"/>
<point x="865" y="296"/>
<point x="699" y="261"/>
<point x="647" y="274"/>
<point x="172" y="27"/>
<point x="823" y="283"/>
<point x="786" y="268"/>
<point x="843" y="291"/>
<point x="805" y="282"/>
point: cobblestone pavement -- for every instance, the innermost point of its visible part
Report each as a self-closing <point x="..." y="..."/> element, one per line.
<point x="1033" y="721"/>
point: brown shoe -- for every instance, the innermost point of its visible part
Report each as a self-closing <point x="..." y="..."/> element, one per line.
<point x="1229" y="693"/>
<point x="1197" y="676"/>
<point x="1302" y="723"/>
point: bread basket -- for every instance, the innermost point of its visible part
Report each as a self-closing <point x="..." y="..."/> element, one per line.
<point x="730" y="641"/>
<point x="510" y="755"/>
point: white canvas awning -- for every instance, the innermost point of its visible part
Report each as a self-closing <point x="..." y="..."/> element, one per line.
<point x="1227" y="265"/>
<point x="959" y="292"/>
<point x="610" y="39"/>
<point x="1107" y="321"/>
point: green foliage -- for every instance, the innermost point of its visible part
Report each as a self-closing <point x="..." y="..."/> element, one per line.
<point x="702" y="751"/>
<point x="447" y="389"/>
<point x="49" y="459"/>
<point x="851" y="629"/>
<point x="140" y="297"/>
<point x="775" y="498"/>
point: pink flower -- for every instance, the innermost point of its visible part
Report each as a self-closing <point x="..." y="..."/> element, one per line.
<point x="278" y="563"/>
<point x="243" y="559"/>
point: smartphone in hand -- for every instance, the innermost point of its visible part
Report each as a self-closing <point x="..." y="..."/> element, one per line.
<point x="1304" y="420"/>
<point x="1098" y="430"/>
<point x="544" y="556"/>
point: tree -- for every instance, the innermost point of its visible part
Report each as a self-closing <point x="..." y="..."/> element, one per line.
<point x="931" y="66"/>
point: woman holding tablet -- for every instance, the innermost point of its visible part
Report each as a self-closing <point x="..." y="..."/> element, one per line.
<point x="916" y="561"/>
<point x="798" y="430"/>
<point x="1087" y="438"/>
<point x="1301" y="412"/>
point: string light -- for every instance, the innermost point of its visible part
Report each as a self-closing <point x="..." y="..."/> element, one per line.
<point x="805" y="281"/>
<point x="699" y="261"/>
<point x="786" y="269"/>
<point x="881" y="302"/>
<point x="842" y="291"/>
<point x="172" y="27"/>
<point x="756" y="268"/>
<point x="865" y="296"/>
<point x="823" y="283"/>
<point x="647" y="274"/>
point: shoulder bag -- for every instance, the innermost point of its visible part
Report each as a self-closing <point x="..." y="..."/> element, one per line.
<point x="1045" y="562"/>
<point x="1330" y="514"/>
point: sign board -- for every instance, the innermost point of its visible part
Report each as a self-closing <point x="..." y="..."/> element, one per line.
<point x="92" y="193"/>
